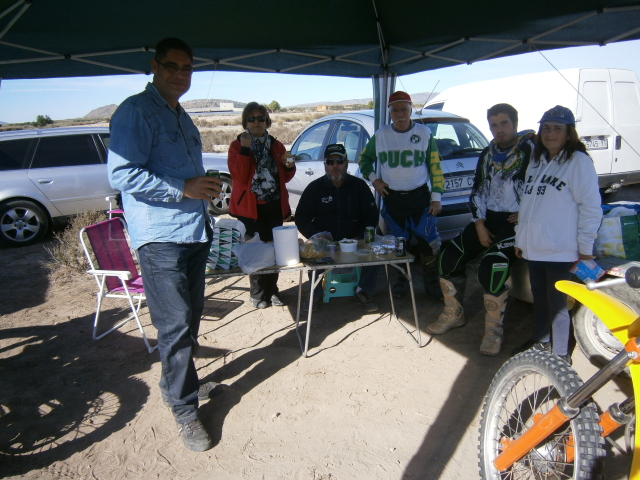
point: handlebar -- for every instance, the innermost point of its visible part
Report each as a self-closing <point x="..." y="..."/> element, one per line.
<point x="631" y="278"/>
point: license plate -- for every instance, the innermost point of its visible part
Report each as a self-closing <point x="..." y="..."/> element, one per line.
<point x="457" y="183"/>
<point x="596" y="143"/>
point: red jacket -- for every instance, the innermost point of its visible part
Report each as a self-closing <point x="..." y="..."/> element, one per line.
<point x="242" y="167"/>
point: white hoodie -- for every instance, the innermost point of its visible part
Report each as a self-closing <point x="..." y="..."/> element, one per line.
<point x="560" y="210"/>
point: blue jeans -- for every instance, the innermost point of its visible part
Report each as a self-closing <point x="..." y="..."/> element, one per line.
<point x="173" y="278"/>
<point x="551" y="317"/>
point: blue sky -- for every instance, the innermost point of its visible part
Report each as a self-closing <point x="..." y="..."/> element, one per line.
<point x="61" y="98"/>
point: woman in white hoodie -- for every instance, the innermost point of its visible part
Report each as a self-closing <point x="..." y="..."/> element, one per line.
<point x="558" y="221"/>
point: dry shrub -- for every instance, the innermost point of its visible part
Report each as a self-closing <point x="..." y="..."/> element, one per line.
<point x="67" y="256"/>
<point x="286" y="133"/>
<point x="225" y="121"/>
<point x="216" y="137"/>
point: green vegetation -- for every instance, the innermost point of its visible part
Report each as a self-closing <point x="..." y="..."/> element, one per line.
<point x="274" y="106"/>
<point x="43" y="121"/>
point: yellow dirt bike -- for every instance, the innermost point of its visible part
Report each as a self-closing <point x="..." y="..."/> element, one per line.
<point x="538" y="420"/>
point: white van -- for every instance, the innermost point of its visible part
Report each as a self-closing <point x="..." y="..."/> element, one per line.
<point x="605" y="101"/>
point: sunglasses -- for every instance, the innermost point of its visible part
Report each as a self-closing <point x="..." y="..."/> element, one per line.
<point x="257" y="119"/>
<point x="172" y="68"/>
<point x="331" y="161"/>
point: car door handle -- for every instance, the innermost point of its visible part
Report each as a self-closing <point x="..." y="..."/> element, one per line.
<point x="45" y="180"/>
<point x="618" y="142"/>
<point x="308" y="172"/>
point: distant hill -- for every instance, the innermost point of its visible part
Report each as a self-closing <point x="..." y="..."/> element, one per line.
<point x="102" y="112"/>
<point x="419" y="99"/>
<point x="107" y="110"/>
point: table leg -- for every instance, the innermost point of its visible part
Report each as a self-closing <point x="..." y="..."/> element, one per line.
<point x="413" y="302"/>
<point x="302" y="347"/>
<point x="393" y="307"/>
<point x="407" y="274"/>
<point x="299" y="298"/>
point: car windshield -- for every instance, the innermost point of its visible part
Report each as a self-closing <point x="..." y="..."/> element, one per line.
<point x="455" y="139"/>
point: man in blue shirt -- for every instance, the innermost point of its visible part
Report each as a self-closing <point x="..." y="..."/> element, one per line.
<point x="155" y="161"/>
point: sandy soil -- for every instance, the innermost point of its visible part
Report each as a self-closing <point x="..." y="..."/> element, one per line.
<point x="367" y="403"/>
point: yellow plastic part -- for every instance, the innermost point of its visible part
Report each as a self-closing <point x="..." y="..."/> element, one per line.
<point x="619" y="319"/>
<point x="624" y="323"/>
<point x="634" y="368"/>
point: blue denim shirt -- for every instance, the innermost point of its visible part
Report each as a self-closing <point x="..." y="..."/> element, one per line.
<point x="152" y="150"/>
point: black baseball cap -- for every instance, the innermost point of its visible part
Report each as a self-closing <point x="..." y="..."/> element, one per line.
<point x="335" y="149"/>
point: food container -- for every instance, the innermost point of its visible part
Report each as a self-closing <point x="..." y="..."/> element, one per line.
<point x="348" y="245"/>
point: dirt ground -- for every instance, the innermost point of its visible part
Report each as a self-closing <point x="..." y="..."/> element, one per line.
<point x="366" y="404"/>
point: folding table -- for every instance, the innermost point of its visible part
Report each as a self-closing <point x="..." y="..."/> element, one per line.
<point x="359" y="259"/>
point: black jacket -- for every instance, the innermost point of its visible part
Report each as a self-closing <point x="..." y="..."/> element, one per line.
<point x="344" y="211"/>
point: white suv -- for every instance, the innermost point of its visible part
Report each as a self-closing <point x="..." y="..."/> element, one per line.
<point x="49" y="175"/>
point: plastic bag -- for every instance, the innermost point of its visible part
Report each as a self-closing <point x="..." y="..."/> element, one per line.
<point x="316" y="245"/>
<point x="227" y="232"/>
<point x="619" y="237"/>
<point x="254" y="255"/>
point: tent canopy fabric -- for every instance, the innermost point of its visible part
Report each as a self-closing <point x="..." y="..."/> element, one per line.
<point x="354" y="38"/>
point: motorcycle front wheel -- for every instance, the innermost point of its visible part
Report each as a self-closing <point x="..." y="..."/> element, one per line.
<point x="526" y="387"/>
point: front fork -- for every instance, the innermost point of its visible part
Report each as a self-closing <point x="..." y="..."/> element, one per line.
<point x="566" y="409"/>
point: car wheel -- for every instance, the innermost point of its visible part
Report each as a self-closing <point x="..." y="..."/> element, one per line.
<point x="220" y="206"/>
<point x="22" y="223"/>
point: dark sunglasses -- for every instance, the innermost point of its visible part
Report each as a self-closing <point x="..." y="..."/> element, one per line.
<point x="331" y="161"/>
<point x="257" y="119"/>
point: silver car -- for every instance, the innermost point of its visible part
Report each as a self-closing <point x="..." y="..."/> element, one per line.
<point x="458" y="141"/>
<point x="49" y="175"/>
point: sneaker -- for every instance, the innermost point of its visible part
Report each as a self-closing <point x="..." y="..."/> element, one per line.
<point x="206" y="390"/>
<point x="365" y="300"/>
<point x="258" y="303"/>
<point x="532" y="345"/>
<point x="194" y="436"/>
<point x="276" y="302"/>
<point x="317" y="303"/>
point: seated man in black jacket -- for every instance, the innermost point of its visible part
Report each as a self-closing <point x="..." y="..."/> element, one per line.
<point x="343" y="205"/>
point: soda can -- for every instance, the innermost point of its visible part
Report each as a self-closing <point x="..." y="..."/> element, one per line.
<point x="401" y="246"/>
<point x="213" y="173"/>
<point x="369" y="234"/>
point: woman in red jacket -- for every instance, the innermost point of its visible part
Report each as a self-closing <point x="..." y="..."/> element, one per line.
<point x="259" y="169"/>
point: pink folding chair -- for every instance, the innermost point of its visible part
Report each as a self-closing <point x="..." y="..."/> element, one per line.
<point x="114" y="212"/>
<point x="116" y="273"/>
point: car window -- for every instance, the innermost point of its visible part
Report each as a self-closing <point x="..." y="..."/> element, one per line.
<point x="66" y="151"/>
<point x="105" y="137"/>
<point x="15" y="154"/>
<point x="309" y="145"/>
<point x="348" y="134"/>
<point x="456" y="138"/>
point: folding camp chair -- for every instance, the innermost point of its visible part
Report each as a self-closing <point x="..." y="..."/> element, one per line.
<point x="116" y="273"/>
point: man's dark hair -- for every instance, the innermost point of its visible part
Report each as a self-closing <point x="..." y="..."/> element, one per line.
<point x="166" y="44"/>
<point x="511" y="112"/>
